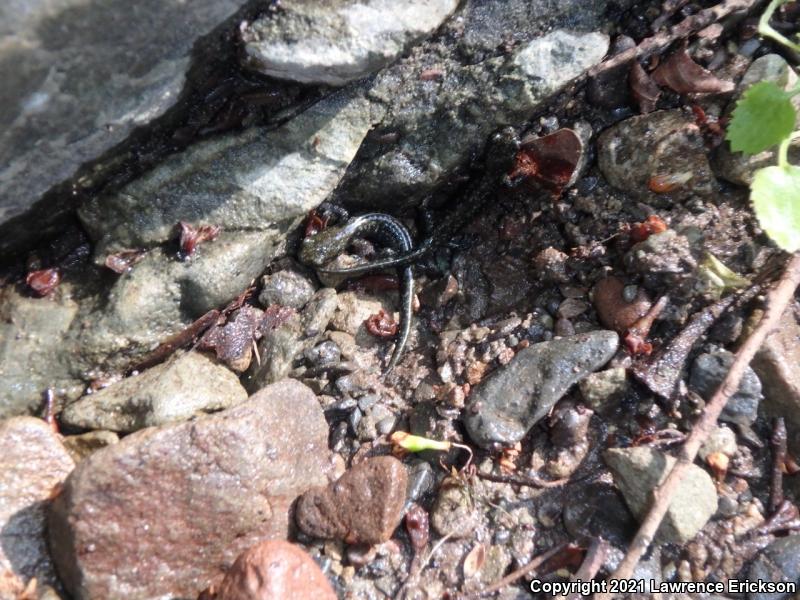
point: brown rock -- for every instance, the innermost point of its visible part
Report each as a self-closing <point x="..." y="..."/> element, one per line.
<point x="33" y="463"/>
<point x="164" y="510"/>
<point x="777" y="364"/>
<point x="613" y="310"/>
<point x="363" y="506"/>
<point x="273" y="570"/>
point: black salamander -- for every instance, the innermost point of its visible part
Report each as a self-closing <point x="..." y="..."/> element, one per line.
<point x="323" y="247"/>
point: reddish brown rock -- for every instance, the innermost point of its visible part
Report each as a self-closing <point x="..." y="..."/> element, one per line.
<point x="33" y="463"/>
<point x="363" y="506"/>
<point x="164" y="511"/>
<point x="777" y="364"/>
<point x="272" y="570"/>
<point x="612" y="308"/>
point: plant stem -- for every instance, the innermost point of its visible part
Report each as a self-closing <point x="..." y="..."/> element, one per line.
<point x="783" y="152"/>
<point x="777" y="301"/>
<point x="766" y="30"/>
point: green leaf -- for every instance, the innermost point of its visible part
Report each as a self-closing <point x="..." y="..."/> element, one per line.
<point x="775" y="193"/>
<point x="763" y="117"/>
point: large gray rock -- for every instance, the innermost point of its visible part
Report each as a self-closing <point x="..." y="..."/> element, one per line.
<point x="504" y="406"/>
<point x="184" y="386"/>
<point x="79" y="76"/>
<point x="637" y="471"/>
<point x="336" y="42"/>
<point x="738" y="167"/>
<point x="437" y="123"/>
<point x="161" y="295"/>
<point x="780" y="561"/>
<point x="708" y="371"/>
<point x="257" y="179"/>
<point x="32" y="355"/>
<point x="32" y="464"/>
<point x="166" y="510"/>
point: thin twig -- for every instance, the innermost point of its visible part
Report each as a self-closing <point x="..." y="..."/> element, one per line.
<point x="531" y="481"/>
<point x="524" y="570"/>
<point x="778" y="443"/>
<point x="777" y="301"/>
<point x="594" y="559"/>
<point x="685" y="28"/>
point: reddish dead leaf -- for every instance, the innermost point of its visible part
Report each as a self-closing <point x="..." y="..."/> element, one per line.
<point x="123" y="261"/>
<point x="192" y="236"/>
<point x="719" y="464"/>
<point x="233" y="342"/>
<point x="665" y="183"/>
<point x="712" y="128"/>
<point x="44" y="281"/>
<point x="548" y="161"/>
<point x="681" y="74"/>
<point x="274" y="316"/>
<point x="639" y="232"/>
<point x="381" y="325"/>
<point x="474" y="561"/>
<point x="643" y="88"/>
<point x="314" y="223"/>
<point x="417" y="527"/>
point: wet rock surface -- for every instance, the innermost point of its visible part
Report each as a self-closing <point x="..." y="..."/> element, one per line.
<point x="337" y="42"/>
<point x="31" y="331"/>
<point x="254" y="180"/>
<point x="363" y="506"/>
<point x="274" y="569"/>
<point x="504" y="407"/>
<point x="33" y="463"/>
<point x="185" y="386"/>
<point x="182" y="501"/>
<point x="74" y="89"/>
<point x="638" y="470"/>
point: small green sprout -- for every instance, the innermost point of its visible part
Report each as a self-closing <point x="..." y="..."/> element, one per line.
<point x="406" y="442"/>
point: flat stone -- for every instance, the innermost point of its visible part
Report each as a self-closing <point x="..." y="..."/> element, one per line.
<point x="32" y="356"/>
<point x="79" y="77"/>
<point x="275" y="569"/>
<point x="505" y="405"/>
<point x="661" y="143"/>
<point x="185" y="386"/>
<point x="638" y="470"/>
<point x="603" y="390"/>
<point x="777" y="364"/>
<point x="453" y="513"/>
<point x="439" y="122"/>
<point x="180" y="502"/>
<point x="707" y="372"/>
<point x="32" y="464"/>
<point x="738" y="167"/>
<point x="335" y="42"/>
<point x="257" y="179"/>
<point x="363" y="506"/>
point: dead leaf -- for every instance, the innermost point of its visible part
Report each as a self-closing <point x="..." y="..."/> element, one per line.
<point x="192" y="236"/>
<point x="233" y="342"/>
<point x="550" y="160"/>
<point x="474" y="561"/>
<point x="681" y="74"/>
<point x="644" y="89"/>
<point x="123" y="261"/>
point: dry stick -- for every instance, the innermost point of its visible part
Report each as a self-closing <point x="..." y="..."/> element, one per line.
<point x="777" y="301"/>
<point x="685" y="28"/>
<point x="530" y="481"/>
<point x="778" y="443"/>
<point x="594" y="559"/>
<point x="524" y="570"/>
